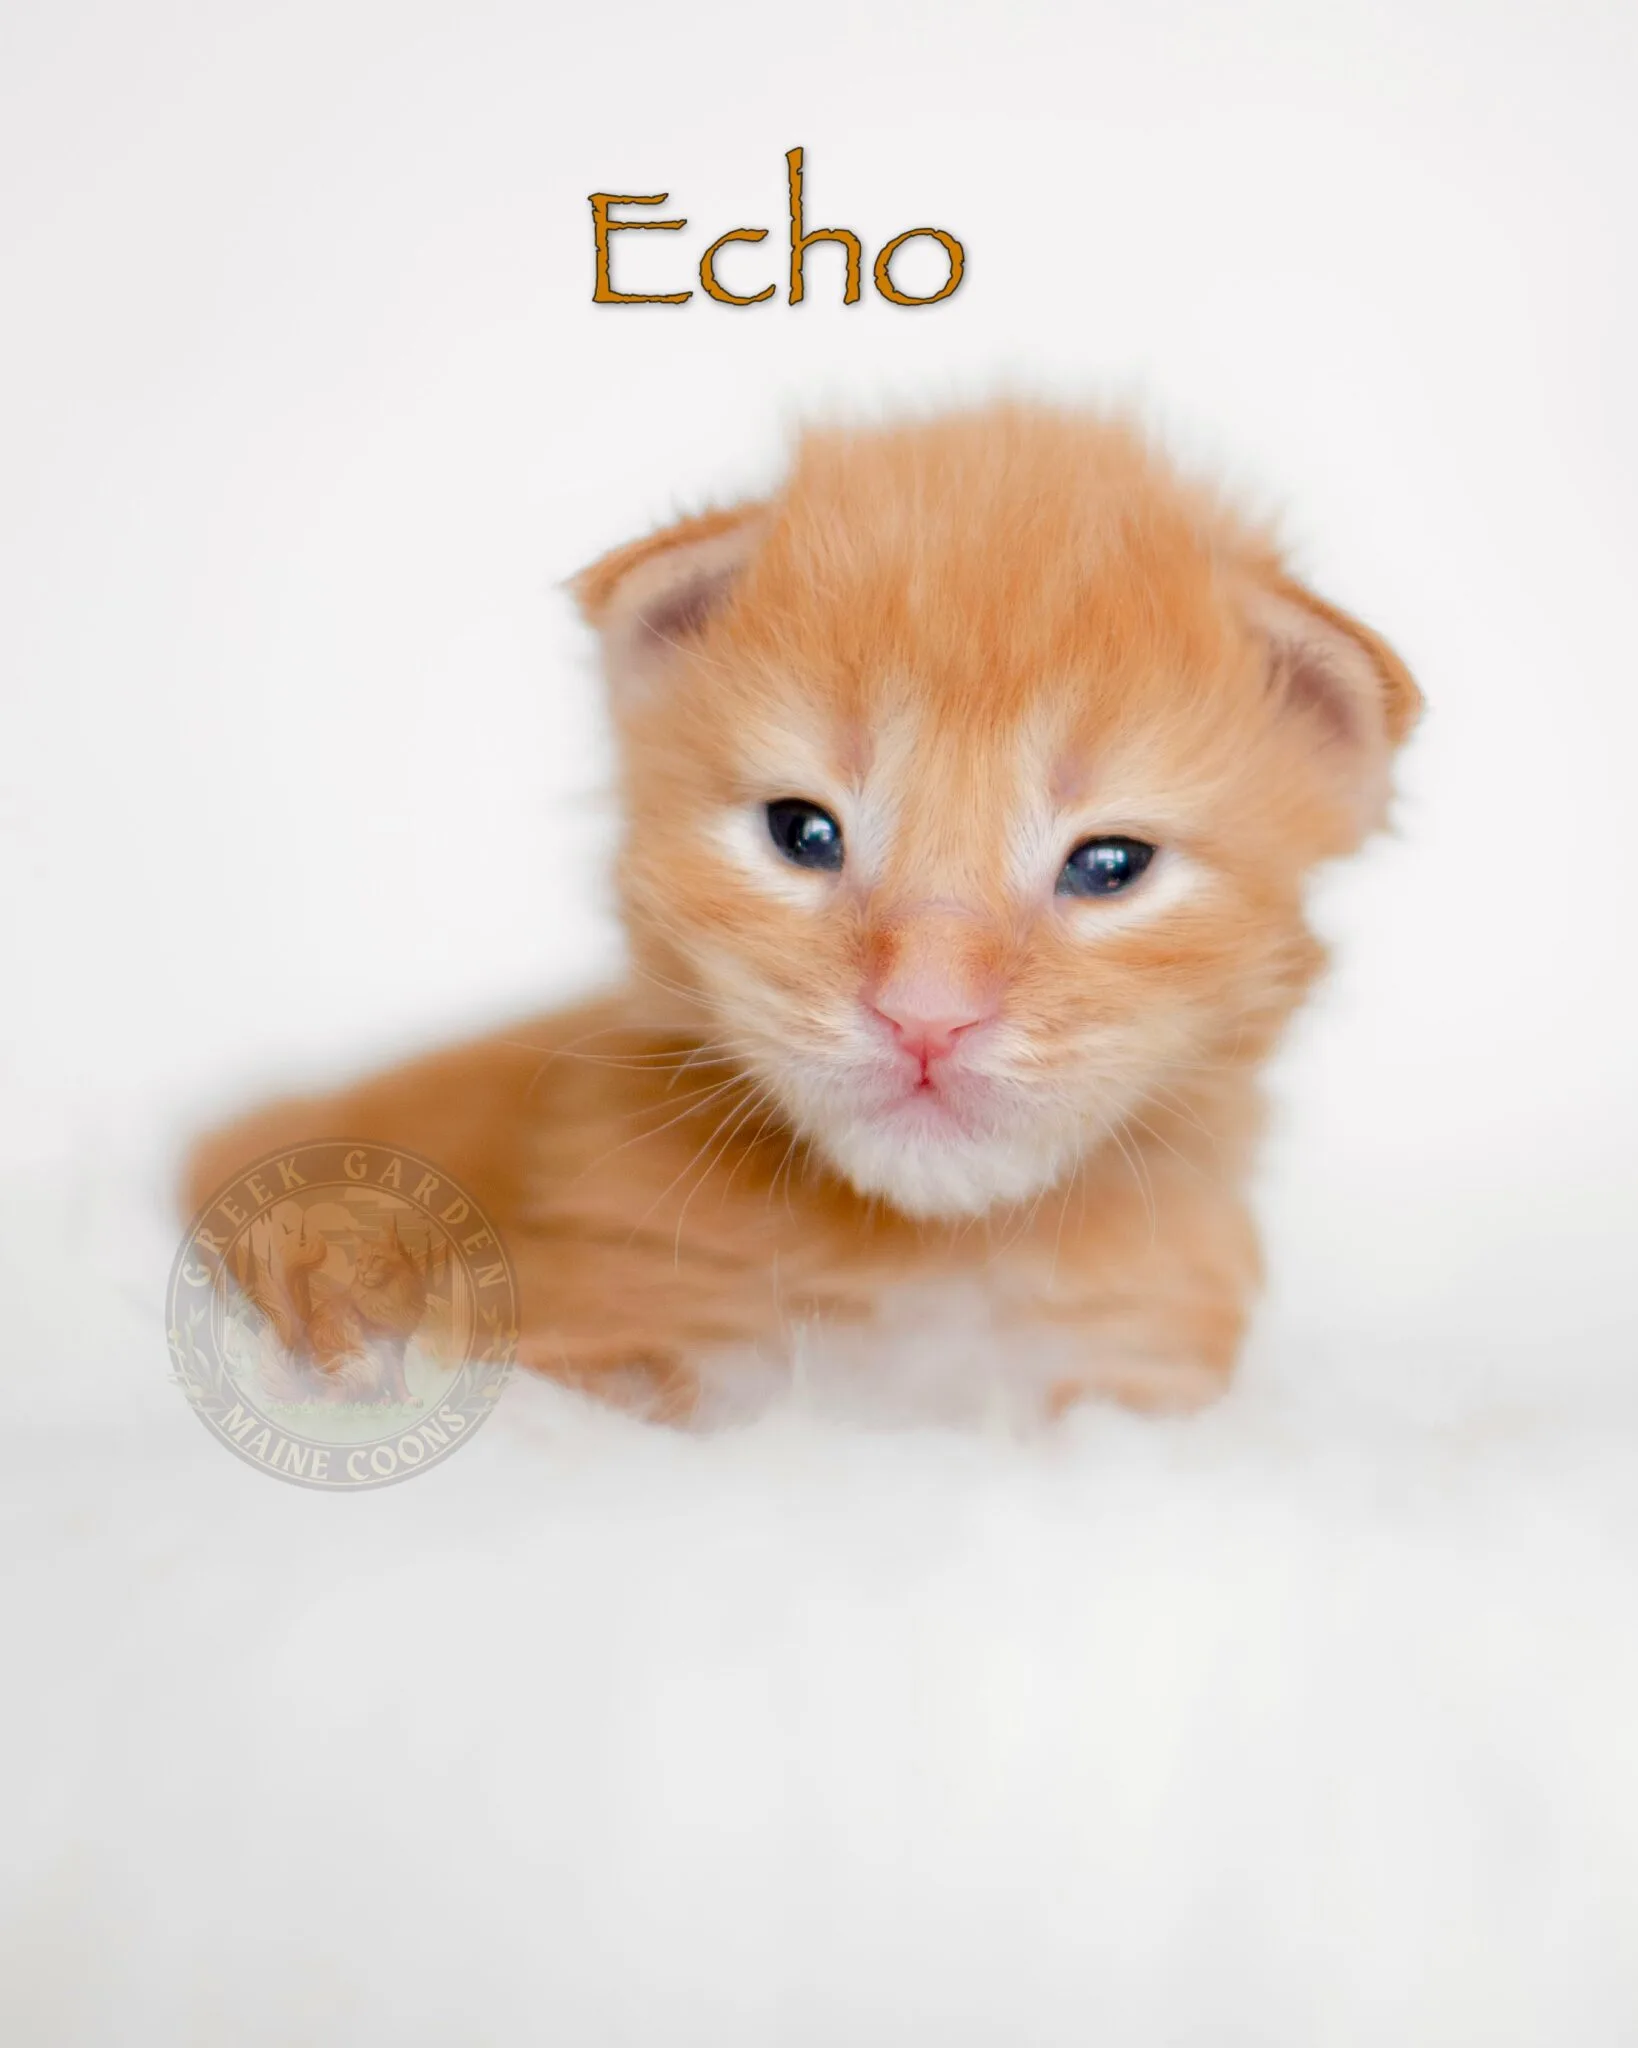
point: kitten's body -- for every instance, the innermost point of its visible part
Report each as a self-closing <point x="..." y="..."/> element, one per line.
<point x="656" y="1217"/>
<point x="975" y="643"/>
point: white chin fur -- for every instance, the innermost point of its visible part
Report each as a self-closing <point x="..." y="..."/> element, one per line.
<point x="938" y="1175"/>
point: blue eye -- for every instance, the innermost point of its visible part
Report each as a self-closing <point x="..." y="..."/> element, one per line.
<point x="1103" y="867"/>
<point x="807" y="836"/>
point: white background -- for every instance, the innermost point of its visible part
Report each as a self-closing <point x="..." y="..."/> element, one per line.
<point x="1309" y="1721"/>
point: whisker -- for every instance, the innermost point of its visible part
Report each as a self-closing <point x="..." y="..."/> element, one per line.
<point x="688" y="1041"/>
<point x="691" y="1107"/>
<point x="1058" y="1235"/>
<point x="671" y="988"/>
<point x="783" y="1169"/>
<point x="689" y="1163"/>
<point x="632" y="1063"/>
<point x="770" y="1113"/>
<point x="1140" y="1173"/>
<point x="717" y="1155"/>
<point x="1178" y="1105"/>
<point x="1194" y="1165"/>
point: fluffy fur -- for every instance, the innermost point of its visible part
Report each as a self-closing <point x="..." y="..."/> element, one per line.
<point x="976" y="642"/>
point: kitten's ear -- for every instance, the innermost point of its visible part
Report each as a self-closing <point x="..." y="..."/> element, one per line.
<point x="654" y="595"/>
<point x="1355" y="696"/>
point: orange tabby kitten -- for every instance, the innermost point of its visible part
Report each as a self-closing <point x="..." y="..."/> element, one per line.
<point x="970" y="786"/>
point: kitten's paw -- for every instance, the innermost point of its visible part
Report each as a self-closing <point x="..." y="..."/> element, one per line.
<point x="1150" y="1386"/>
<point x="658" y="1389"/>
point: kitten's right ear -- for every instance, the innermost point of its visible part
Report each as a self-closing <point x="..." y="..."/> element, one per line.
<point x="654" y="595"/>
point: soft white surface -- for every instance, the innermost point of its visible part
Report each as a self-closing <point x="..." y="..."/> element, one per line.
<point x="1310" y="1720"/>
<point x="1314" y="1720"/>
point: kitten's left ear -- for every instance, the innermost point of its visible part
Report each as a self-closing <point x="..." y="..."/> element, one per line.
<point x="653" y="596"/>
<point x="1343" y="681"/>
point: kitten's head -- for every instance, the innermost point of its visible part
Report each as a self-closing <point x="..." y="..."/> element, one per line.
<point x="970" y="785"/>
<point x="388" y="1286"/>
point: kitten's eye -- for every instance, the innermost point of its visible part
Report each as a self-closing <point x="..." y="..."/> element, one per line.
<point x="1103" y="867"/>
<point x="807" y="836"/>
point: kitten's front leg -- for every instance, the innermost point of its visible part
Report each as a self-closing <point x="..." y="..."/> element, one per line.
<point x="1151" y="1386"/>
<point x="641" y="1235"/>
<point x="1155" y="1291"/>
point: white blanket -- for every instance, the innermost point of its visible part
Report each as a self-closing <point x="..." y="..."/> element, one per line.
<point x="1313" y="1719"/>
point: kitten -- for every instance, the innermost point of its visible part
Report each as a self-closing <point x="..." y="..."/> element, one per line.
<point x="970" y="784"/>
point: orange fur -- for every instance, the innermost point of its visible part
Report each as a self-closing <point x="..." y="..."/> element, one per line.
<point x="976" y="642"/>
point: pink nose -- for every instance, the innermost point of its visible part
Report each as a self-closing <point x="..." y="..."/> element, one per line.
<point x="927" y="1037"/>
